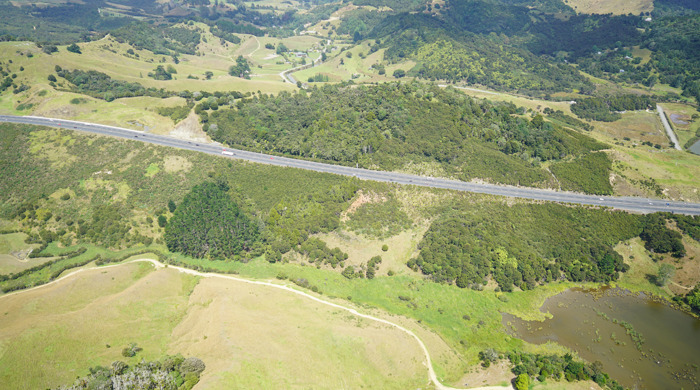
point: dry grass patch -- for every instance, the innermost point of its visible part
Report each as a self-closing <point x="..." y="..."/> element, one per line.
<point x="190" y="129"/>
<point x="616" y="7"/>
<point x="642" y="267"/>
<point x="360" y="199"/>
<point x="258" y="337"/>
<point x="495" y="375"/>
<point x="173" y="164"/>
<point x="52" y="146"/>
<point x="360" y="249"/>
<point x="638" y="126"/>
<point x="54" y="333"/>
<point x="676" y="172"/>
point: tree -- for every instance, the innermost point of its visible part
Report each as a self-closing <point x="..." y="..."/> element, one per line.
<point x="52" y="78"/>
<point x="162" y="221"/>
<point x="171" y="206"/>
<point x="208" y="74"/>
<point x="160" y="73"/>
<point x="241" y="69"/>
<point x="73" y="48"/>
<point x="522" y="382"/>
<point x="349" y="272"/>
<point x="665" y="274"/>
<point x="399" y="73"/>
<point x="49" y="49"/>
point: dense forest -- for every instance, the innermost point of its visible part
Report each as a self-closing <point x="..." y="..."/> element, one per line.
<point x="159" y="40"/>
<point x="443" y="53"/>
<point x="521" y="246"/>
<point x="608" y="109"/>
<point x="209" y="224"/>
<point x="392" y="124"/>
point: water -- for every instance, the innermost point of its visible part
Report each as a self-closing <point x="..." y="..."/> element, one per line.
<point x="641" y="343"/>
<point x="695" y="148"/>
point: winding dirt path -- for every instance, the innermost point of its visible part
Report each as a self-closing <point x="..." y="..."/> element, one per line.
<point x="158" y="265"/>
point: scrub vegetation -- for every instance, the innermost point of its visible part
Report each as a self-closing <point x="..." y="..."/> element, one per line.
<point x="549" y="94"/>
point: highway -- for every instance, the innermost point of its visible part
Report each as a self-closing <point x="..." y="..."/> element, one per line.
<point x="636" y="204"/>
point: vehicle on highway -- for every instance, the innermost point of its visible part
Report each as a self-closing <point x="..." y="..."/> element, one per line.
<point x="227" y="152"/>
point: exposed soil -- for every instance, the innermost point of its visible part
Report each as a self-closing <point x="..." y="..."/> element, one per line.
<point x="190" y="129"/>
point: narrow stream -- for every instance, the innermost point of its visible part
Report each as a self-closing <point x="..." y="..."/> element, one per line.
<point x="641" y="343"/>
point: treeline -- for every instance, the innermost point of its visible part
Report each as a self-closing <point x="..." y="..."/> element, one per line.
<point x="521" y="245"/>
<point x="101" y="86"/>
<point x="559" y="115"/>
<point x="318" y="252"/>
<point x="658" y="238"/>
<point x="158" y="39"/>
<point x="529" y="366"/>
<point x="608" y="109"/>
<point x="176" y="113"/>
<point x="170" y="373"/>
<point x="391" y="124"/>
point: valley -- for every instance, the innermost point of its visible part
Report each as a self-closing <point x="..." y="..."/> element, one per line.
<point x="347" y="194"/>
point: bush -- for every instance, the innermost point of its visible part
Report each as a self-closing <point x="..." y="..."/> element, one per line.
<point x="192" y="365"/>
<point x="522" y="382"/>
<point x="73" y="48"/>
<point x="49" y="49"/>
<point x="131" y="350"/>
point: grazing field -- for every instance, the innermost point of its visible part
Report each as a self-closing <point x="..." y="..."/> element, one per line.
<point x="638" y="126"/>
<point x="616" y="7"/>
<point x="54" y="333"/>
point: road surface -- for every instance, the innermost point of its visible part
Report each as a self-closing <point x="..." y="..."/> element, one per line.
<point x="668" y="128"/>
<point x="625" y="203"/>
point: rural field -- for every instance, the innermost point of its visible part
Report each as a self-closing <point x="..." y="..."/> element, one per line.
<point x="122" y="250"/>
<point x="247" y="335"/>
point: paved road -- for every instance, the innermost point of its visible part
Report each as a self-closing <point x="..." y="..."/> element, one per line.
<point x="626" y="203"/>
<point x="668" y="128"/>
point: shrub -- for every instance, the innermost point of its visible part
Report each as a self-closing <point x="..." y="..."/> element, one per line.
<point x="73" y="48"/>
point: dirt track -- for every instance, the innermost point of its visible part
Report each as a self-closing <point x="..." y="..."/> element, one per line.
<point x="157" y="264"/>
